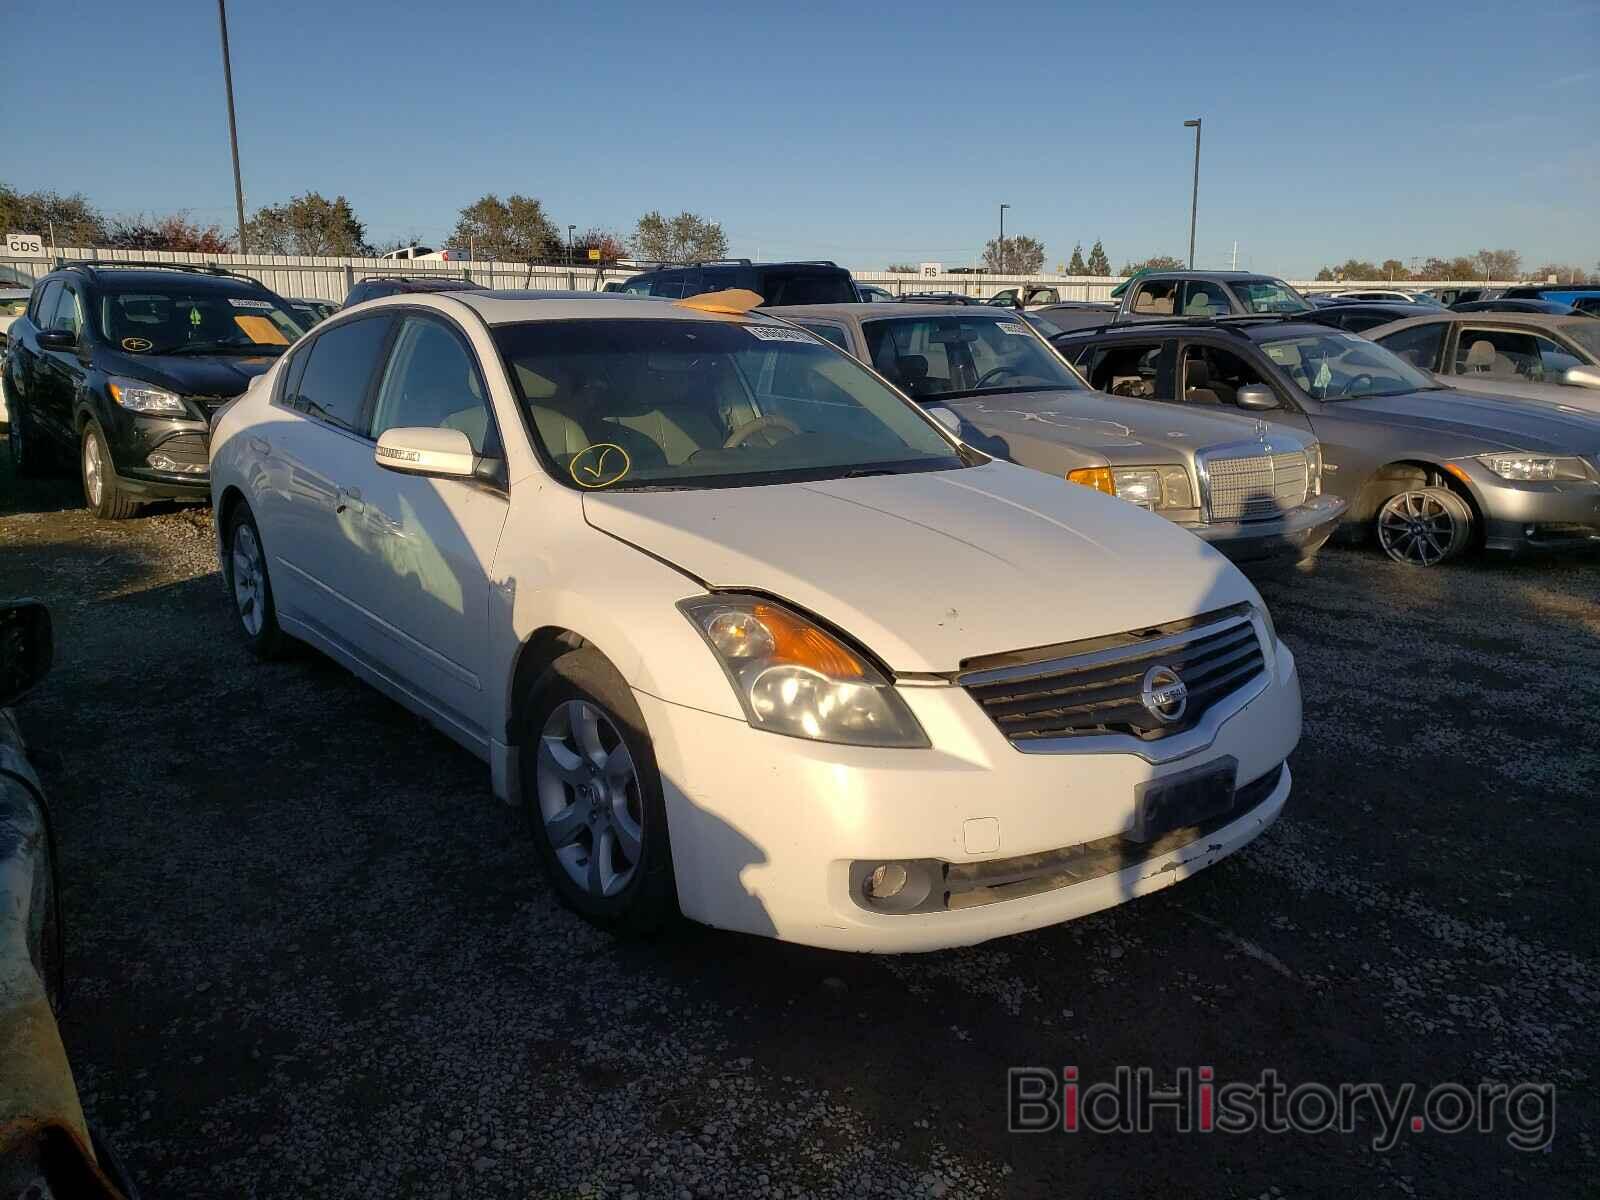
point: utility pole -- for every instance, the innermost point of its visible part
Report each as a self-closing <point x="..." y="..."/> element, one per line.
<point x="570" y="229"/>
<point x="1000" y="246"/>
<point x="233" y="126"/>
<point x="1194" y="201"/>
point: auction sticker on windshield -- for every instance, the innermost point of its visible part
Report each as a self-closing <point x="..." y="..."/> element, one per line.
<point x="266" y="304"/>
<point x="776" y="333"/>
<point x="1012" y="328"/>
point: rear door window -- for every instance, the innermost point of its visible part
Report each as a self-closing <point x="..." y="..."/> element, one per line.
<point x="333" y="388"/>
<point x="1418" y="345"/>
<point x="1144" y="370"/>
<point x="1202" y="298"/>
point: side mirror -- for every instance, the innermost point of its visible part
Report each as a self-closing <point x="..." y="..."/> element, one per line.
<point x="948" y="419"/>
<point x="1585" y="377"/>
<point x="415" y="450"/>
<point x="1256" y="396"/>
<point x="27" y="648"/>
<point x="57" y="339"/>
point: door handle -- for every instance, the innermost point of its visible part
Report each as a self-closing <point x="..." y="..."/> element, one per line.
<point x="348" y="498"/>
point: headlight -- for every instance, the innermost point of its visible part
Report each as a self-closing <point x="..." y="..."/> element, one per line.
<point x="793" y="678"/>
<point x="1148" y="487"/>
<point x="1314" y="469"/>
<point x="1534" y="467"/>
<point x="145" y="397"/>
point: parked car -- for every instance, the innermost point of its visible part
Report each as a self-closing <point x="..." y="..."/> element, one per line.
<point x="1388" y="296"/>
<point x="13" y="303"/>
<point x="818" y="282"/>
<point x="1356" y="316"/>
<point x="47" y="1148"/>
<point x="121" y="365"/>
<point x="1163" y="295"/>
<point x="871" y="293"/>
<point x="426" y="254"/>
<point x="1069" y="314"/>
<point x="750" y="634"/>
<point x="939" y="298"/>
<point x="1562" y="293"/>
<point x="1254" y="494"/>
<point x="1549" y="308"/>
<point x="374" y="286"/>
<point x="312" y="310"/>
<point x="1526" y="355"/>
<point x="1033" y="295"/>
<point x="1451" y="296"/>
<point x="1431" y="471"/>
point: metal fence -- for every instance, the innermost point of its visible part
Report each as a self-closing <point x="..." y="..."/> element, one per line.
<point x="332" y="278"/>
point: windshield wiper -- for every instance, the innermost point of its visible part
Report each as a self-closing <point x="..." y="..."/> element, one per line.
<point x="217" y="346"/>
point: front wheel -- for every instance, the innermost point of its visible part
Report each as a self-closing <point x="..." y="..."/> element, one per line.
<point x="246" y="566"/>
<point x="100" y="489"/>
<point x="1424" y="527"/>
<point x="594" y="798"/>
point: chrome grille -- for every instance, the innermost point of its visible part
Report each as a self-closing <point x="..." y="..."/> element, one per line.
<point x="1255" y="487"/>
<point x="1082" y="689"/>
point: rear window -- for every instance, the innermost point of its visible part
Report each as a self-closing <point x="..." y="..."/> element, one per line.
<point x="808" y="287"/>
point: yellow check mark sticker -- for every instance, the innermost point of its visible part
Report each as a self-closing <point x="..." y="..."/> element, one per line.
<point x="599" y="465"/>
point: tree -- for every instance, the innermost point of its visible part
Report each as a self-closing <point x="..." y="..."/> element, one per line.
<point x="687" y="237"/>
<point x="609" y="244"/>
<point x="1077" y="266"/>
<point x="1099" y="264"/>
<point x="308" y="224"/>
<point x="900" y="269"/>
<point x="1393" y="268"/>
<point x="1018" y="255"/>
<point x="1325" y="275"/>
<point x="515" y="229"/>
<point x="175" y="232"/>
<point x="1498" y="264"/>
<point x="1160" y="262"/>
<point x="1564" y="273"/>
<point x="72" y="219"/>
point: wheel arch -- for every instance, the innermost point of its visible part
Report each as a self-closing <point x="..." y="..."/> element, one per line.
<point x="528" y="672"/>
<point x="1404" y="473"/>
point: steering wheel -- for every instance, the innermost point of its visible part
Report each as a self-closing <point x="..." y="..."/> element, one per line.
<point x="992" y="371"/>
<point x="1355" y="379"/>
<point x="768" y="425"/>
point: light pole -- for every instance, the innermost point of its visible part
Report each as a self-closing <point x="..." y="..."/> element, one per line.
<point x="1194" y="199"/>
<point x="570" y="229"/>
<point x="1000" y="246"/>
<point x="233" y="128"/>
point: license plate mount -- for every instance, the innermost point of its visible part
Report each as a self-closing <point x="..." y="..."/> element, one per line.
<point x="1182" y="800"/>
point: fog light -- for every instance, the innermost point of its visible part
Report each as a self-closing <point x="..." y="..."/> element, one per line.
<point x="162" y="462"/>
<point x="886" y="880"/>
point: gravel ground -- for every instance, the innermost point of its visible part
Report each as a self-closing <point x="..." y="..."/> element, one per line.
<point x="310" y="956"/>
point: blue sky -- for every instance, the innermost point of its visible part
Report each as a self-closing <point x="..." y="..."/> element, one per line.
<point x="868" y="133"/>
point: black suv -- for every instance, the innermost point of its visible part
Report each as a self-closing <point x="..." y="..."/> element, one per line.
<point x="394" y="285"/>
<point x="121" y="365"/>
<point x="817" y="282"/>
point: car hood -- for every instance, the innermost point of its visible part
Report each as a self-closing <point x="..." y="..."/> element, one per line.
<point x="1114" y="426"/>
<point x="191" y="375"/>
<point x="1499" y="424"/>
<point x="927" y="570"/>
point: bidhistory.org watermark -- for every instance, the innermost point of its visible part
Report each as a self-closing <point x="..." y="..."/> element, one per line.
<point x="1056" y="1100"/>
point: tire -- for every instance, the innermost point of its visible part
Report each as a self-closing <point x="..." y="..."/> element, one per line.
<point x="1424" y="527"/>
<point x="590" y="783"/>
<point x="245" y="568"/>
<point x="27" y="452"/>
<point x="100" y="491"/>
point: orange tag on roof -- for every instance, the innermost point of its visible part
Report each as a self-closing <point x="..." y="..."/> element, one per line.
<point x="733" y="300"/>
<point x="261" y="331"/>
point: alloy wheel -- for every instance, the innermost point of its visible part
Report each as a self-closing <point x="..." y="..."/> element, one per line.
<point x="93" y="483"/>
<point x="1417" y="529"/>
<point x="247" y="576"/>
<point x="589" y="797"/>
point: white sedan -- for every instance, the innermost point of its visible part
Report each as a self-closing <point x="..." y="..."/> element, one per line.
<point x="752" y="637"/>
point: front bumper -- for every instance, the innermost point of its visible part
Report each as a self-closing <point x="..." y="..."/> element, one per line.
<point x="133" y="438"/>
<point x="1297" y="534"/>
<point x="1532" y="517"/>
<point x="765" y="829"/>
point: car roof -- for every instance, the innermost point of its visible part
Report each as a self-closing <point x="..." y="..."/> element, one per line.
<point x="1531" y="320"/>
<point x="154" y="278"/>
<point x="919" y="312"/>
<point x="515" y="306"/>
<point x="1225" y="276"/>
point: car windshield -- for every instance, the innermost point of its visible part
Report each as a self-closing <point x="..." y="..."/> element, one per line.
<point x="180" y="320"/>
<point x="1268" y="296"/>
<point x="641" y="404"/>
<point x="1341" y="366"/>
<point x="941" y="356"/>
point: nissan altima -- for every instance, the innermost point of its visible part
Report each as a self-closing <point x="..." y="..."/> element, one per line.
<point x="750" y="635"/>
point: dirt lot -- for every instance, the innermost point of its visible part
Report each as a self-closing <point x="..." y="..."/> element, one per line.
<point x="312" y="957"/>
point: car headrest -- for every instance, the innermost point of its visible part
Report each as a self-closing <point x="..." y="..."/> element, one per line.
<point x="1480" y="355"/>
<point x="1198" y="374"/>
<point x="911" y="367"/>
